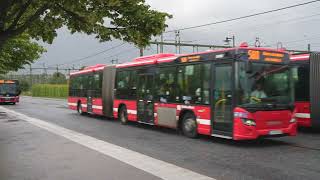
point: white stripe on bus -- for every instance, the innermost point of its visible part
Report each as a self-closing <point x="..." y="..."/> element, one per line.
<point x="302" y="115"/>
<point x="300" y="57"/>
<point x="96" y="107"/>
<point x="72" y="104"/>
<point x="131" y="111"/>
<point x="204" y="121"/>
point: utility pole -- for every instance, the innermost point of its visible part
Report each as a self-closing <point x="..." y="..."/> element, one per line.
<point x="309" y="47"/>
<point x="44" y="72"/>
<point x="114" y="61"/>
<point x="279" y="45"/>
<point x="194" y="46"/>
<point x="178" y="42"/>
<point x="157" y="48"/>
<point x="233" y="41"/>
<point x="228" y="39"/>
<point x="57" y="69"/>
<point x="161" y="45"/>
<point x="44" y="69"/>
<point x="30" y="74"/>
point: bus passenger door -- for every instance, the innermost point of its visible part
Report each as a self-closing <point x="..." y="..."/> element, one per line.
<point x="145" y="102"/>
<point x="89" y="101"/>
<point x="222" y="110"/>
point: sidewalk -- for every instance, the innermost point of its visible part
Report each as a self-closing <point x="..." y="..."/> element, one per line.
<point x="30" y="153"/>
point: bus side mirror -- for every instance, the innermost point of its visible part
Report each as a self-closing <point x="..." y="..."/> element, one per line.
<point x="248" y="67"/>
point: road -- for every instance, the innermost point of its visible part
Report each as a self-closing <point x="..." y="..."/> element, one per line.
<point x="52" y="156"/>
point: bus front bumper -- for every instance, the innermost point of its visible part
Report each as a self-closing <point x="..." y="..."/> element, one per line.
<point x="250" y="132"/>
<point x="13" y="99"/>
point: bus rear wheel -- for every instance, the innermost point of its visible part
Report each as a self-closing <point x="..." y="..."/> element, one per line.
<point x="79" y="109"/>
<point x="189" y="125"/>
<point x="123" y="115"/>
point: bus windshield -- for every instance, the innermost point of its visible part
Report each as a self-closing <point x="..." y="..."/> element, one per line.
<point x="264" y="84"/>
<point x="8" y="88"/>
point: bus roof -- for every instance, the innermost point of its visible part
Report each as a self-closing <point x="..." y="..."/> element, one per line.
<point x="164" y="58"/>
<point x="168" y="57"/>
<point x="89" y="69"/>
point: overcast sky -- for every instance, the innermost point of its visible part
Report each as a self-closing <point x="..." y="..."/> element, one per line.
<point x="295" y="28"/>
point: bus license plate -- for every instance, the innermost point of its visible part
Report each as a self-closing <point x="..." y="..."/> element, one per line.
<point x="275" y="132"/>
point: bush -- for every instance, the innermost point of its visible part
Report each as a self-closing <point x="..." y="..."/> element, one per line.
<point x="50" y="90"/>
<point x="24" y="85"/>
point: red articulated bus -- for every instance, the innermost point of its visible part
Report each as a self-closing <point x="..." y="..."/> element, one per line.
<point x="9" y="91"/>
<point x="85" y="90"/>
<point x="306" y="76"/>
<point x="237" y="93"/>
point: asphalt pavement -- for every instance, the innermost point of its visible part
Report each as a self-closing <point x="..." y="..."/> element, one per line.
<point x="30" y="152"/>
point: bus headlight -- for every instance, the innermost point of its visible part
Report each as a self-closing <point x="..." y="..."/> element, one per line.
<point x="248" y="122"/>
<point x="293" y="120"/>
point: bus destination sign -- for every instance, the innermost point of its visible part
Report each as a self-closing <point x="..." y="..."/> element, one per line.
<point x="7" y="82"/>
<point x="275" y="57"/>
<point x="190" y="59"/>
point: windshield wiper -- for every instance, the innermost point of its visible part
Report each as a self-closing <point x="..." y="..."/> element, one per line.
<point x="269" y="106"/>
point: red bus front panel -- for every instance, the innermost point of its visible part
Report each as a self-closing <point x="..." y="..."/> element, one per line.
<point x="9" y="99"/>
<point x="267" y="123"/>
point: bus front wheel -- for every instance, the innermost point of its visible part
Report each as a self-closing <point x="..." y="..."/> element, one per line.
<point x="189" y="125"/>
<point x="123" y="115"/>
<point x="79" y="109"/>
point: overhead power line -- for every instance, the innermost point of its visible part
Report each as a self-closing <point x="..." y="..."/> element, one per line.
<point x="244" y="17"/>
<point x="90" y="56"/>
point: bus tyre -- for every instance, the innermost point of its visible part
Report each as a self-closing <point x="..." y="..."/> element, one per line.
<point x="123" y="115"/>
<point x="79" y="109"/>
<point x="189" y="125"/>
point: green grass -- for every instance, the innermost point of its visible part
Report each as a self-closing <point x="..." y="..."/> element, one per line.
<point x="50" y="90"/>
<point x="26" y="93"/>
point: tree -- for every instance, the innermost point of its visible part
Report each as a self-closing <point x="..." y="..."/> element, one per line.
<point x="24" y="85"/>
<point x="17" y="52"/>
<point x="128" y="20"/>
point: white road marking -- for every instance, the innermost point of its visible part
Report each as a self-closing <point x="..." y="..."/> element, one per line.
<point x="146" y="163"/>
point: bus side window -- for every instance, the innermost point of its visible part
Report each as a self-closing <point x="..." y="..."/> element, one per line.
<point x="133" y="85"/>
<point x="189" y="84"/>
<point x="166" y="84"/>
<point x="122" y="84"/>
<point x="206" y="83"/>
